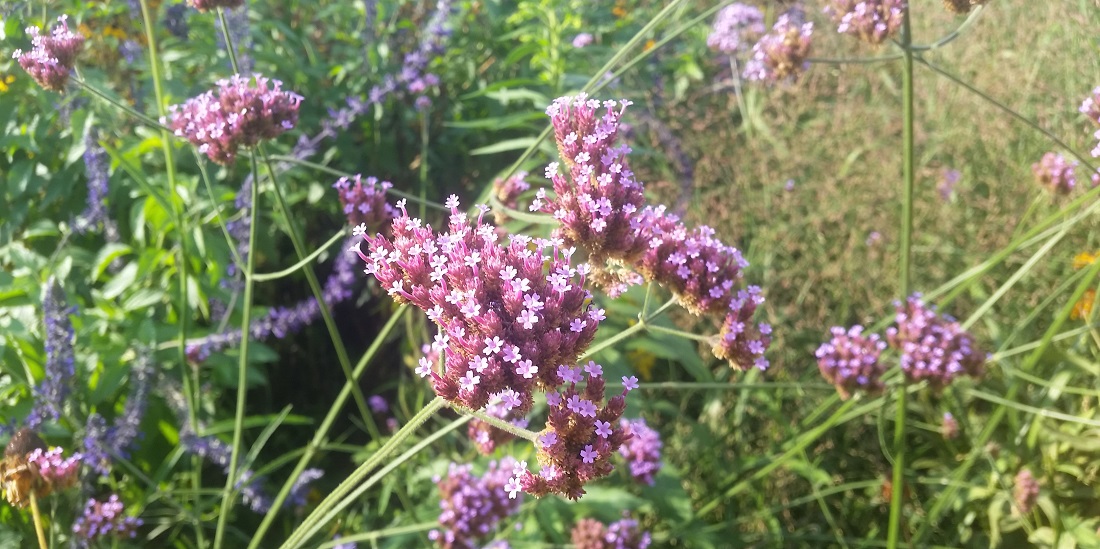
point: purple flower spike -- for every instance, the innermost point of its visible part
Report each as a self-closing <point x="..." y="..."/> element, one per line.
<point x="933" y="348"/>
<point x="642" y="451"/>
<point x="781" y="54"/>
<point x="52" y="392"/>
<point x="239" y="113"/>
<point x="873" y="21"/>
<point x="471" y="507"/>
<point x="52" y="56"/>
<point x="736" y="26"/>
<point x="1055" y="174"/>
<point x="850" y="361"/>
<point x="105" y="519"/>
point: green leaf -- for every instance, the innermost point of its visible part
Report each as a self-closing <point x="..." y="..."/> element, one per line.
<point x="517" y="144"/>
<point x="123" y="280"/>
<point x="106" y="255"/>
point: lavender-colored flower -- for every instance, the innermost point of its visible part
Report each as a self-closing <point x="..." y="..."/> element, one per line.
<point x="590" y="533"/>
<point x="736" y="26"/>
<point x="348" y="545"/>
<point x="1055" y="173"/>
<point x="508" y="314"/>
<point x="872" y="21"/>
<point x="508" y="191"/>
<point x="105" y="519"/>
<point x="582" y="40"/>
<point x="220" y="453"/>
<point x="933" y="348"/>
<point x="950" y="426"/>
<point x="949" y="178"/>
<point x="1025" y="491"/>
<point x="472" y="506"/>
<point x="52" y="392"/>
<point x="239" y="113"/>
<point x="486" y="438"/>
<point x="742" y="342"/>
<point x="378" y="404"/>
<point x="175" y="20"/>
<point x="850" y="361"/>
<point x="364" y="201"/>
<point x="95" y="169"/>
<point x="96" y="454"/>
<point x="207" y="5"/>
<point x="56" y="471"/>
<point x="781" y="54"/>
<point x="642" y="450"/>
<point x="52" y="56"/>
<point x="300" y="489"/>
<point x="127" y="426"/>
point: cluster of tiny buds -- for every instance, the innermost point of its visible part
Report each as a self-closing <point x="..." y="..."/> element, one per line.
<point x="485" y="437"/>
<point x="742" y="341"/>
<point x="105" y="519"/>
<point x="508" y="190"/>
<point x="52" y="56"/>
<point x="782" y="53"/>
<point x="933" y="348"/>
<point x="950" y="426"/>
<point x="642" y="451"/>
<point x="850" y="361"/>
<point x="736" y="26"/>
<point x="872" y="21"/>
<point x="508" y="314"/>
<point x="1055" y="174"/>
<point x="471" y="507"/>
<point x="590" y="533"/>
<point x="364" y="200"/>
<point x="240" y="113"/>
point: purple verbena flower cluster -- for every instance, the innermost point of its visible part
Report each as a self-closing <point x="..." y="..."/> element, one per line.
<point x="583" y="40"/>
<point x="578" y="441"/>
<point x="736" y="26"/>
<point x="486" y="438"/>
<point x="872" y="21"/>
<point x="472" y="506"/>
<point x="53" y="391"/>
<point x="508" y="314"/>
<point x="622" y="534"/>
<point x="642" y="451"/>
<point x="781" y="54"/>
<point x="364" y="201"/>
<point x="933" y="348"/>
<point x="1025" y="491"/>
<point x="105" y="519"/>
<point x="1090" y="107"/>
<point x="850" y="361"/>
<point x="207" y="5"/>
<point x="1055" y="174"/>
<point x="240" y="113"/>
<point x="56" y="471"/>
<point x="52" y="56"/>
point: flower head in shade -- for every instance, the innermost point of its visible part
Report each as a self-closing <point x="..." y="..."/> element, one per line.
<point x="1025" y="491"/>
<point x="52" y="56"/>
<point x="486" y="438"/>
<point x="950" y="426"/>
<point x="642" y="451"/>
<point x="872" y="21"/>
<point x="175" y="20"/>
<point x="51" y="394"/>
<point x="622" y="534"/>
<point x="850" y="361"/>
<point x="1055" y="174"/>
<point x="781" y="54"/>
<point x="508" y="191"/>
<point x="471" y="507"/>
<point x="583" y="39"/>
<point x="348" y="545"/>
<point x="509" y="314"/>
<point x="207" y="5"/>
<point x="241" y="112"/>
<point x="742" y="341"/>
<point x="582" y="433"/>
<point x="300" y="489"/>
<point x="933" y="348"/>
<point x="364" y="201"/>
<point x="735" y="28"/>
<point x="103" y="520"/>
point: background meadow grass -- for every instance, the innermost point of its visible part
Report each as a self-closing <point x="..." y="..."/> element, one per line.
<point x="772" y="459"/>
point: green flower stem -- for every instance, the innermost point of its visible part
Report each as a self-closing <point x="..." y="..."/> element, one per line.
<point x="905" y="267"/>
<point x="237" y="259"/>
<point x="352" y="486"/>
<point x="318" y="294"/>
<point x="381" y="534"/>
<point x="724" y="385"/>
<point x="499" y="424"/>
<point x="322" y="168"/>
<point x="230" y="47"/>
<point x="326" y="425"/>
<point x="262" y="277"/>
<point x="36" y="516"/>
<point x="148" y="121"/>
<point x="242" y="362"/>
<point x="638" y="327"/>
<point x="678" y="333"/>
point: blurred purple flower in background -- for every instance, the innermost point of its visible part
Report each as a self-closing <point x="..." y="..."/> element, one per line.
<point x="590" y="533"/>
<point x="736" y="27"/>
<point x="872" y="21"/>
<point x="52" y="392"/>
<point x="95" y="170"/>
<point x="1055" y="174"/>
<point x="781" y="54"/>
<point x="105" y="519"/>
<point x="949" y="179"/>
<point x="1025" y="491"/>
<point x="582" y="40"/>
<point x="472" y="506"/>
<point x="850" y="361"/>
<point x="642" y="450"/>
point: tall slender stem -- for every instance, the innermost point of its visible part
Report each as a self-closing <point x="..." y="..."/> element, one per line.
<point x="36" y="515"/>
<point x="904" y="283"/>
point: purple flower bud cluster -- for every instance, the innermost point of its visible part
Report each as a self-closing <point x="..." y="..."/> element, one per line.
<point x="1090" y="107"/>
<point x="1055" y="174"/>
<point x="509" y="190"/>
<point x="583" y="40"/>
<point x="51" y="393"/>
<point x="486" y="438"/>
<point x="933" y="348"/>
<point x="364" y="201"/>
<point x="601" y="207"/>
<point x="781" y="54"/>
<point x="1025" y="491"/>
<point x="577" y="444"/>
<point x="175" y="20"/>
<point x="95" y="169"/>
<point x="58" y="472"/>
<point x="622" y="534"/>
<point x="949" y="178"/>
<point x="472" y="506"/>
<point x="850" y="361"/>
<point x="105" y="519"/>
<point x="237" y="114"/>
<point x="207" y="5"/>
<point x="642" y="450"/>
<point x="872" y="21"/>
<point x="52" y="56"/>
<point x="736" y="26"/>
<point x="508" y="314"/>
